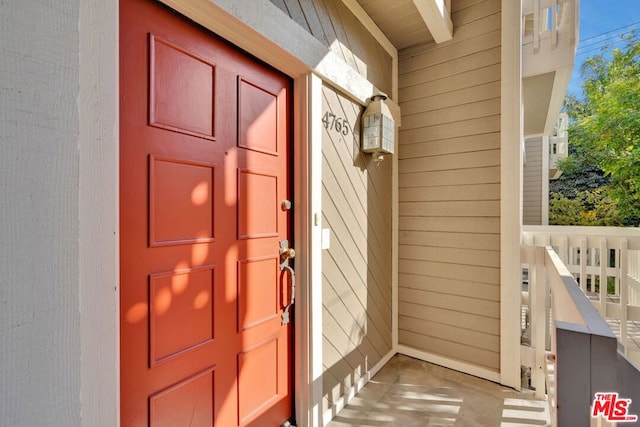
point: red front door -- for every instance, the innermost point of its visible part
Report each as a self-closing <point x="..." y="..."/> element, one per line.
<point x="204" y="168"/>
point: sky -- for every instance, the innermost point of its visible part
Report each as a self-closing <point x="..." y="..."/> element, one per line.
<point x="601" y="22"/>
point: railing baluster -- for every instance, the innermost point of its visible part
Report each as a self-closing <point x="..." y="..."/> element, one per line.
<point x="583" y="264"/>
<point x="537" y="301"/>
<point x="604" y="258"/>
<point x="624" y="292"/>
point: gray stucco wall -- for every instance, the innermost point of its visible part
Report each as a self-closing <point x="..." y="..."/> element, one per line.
<point x="39" y="226"/>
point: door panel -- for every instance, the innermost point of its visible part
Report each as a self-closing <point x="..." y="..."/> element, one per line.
<point x="204" y="167"/>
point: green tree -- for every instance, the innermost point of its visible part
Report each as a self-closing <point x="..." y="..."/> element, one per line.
<point x="589" y="207"/>
<point x="605" y="125"/>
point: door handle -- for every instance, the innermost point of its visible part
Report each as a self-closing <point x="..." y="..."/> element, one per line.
<point x="287" y="308"/>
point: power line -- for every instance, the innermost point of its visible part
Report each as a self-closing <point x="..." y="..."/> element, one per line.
<point x="601" y="44"/>
<point x="601" y="41"/>
<point x="610" y="31"/>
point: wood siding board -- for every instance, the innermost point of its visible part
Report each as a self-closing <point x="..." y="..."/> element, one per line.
<point x="451" y="99"/>
<point x="477" y="225"/>
<point x="478" y="76"/>
<point x="475" y="290"/>
<point x="313" y="20"/>
<point x="281" y="5"/>
<point x="433" y="54"/>
<point x="448" y="209"/>
<point x="467" y="273"/>
<point x="459" y="65"/>
<point x="451" y="240"/>
<point x="473" y="110"/>
<point x="354" y="320"/>
<point x="458" y="5"/>
<point x="469" y="321"/>
<point x="361" y="308"/>
<point x="354" y="267"/>
<point x="451" y="193"/>
<point x="476" y="12"/>
<point x="484" y="358"/>
<point x="441" y="331"/>
<point x="469" y="160"/>
<point x="485" y="175"/>
<point x="487" y="141"/>
<point x="370" y="272"/>
<point x="462" y="304"/>
<point x="352" y="340"/>
<point x="342" y="48"/>
<point x="450" y="255"/>
<point x="296" y="13"/>
<point x="482" y="125"/>
<point x="325" y="22"/>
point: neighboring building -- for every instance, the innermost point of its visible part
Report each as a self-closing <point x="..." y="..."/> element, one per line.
<point x="541" y="155"/>
<point x="153" y="166"/>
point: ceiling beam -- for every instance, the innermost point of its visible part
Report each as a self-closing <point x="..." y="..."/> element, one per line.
<point x="437" y="15"/>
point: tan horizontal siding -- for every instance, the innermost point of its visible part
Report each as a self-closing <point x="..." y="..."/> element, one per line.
<point x="532" y="182"/>
<point x="464" y="144"/>
<point x="455" y="318"/>
<point x="483" y="175"/>
<point x="467" y="289"/>
<point x="451" y="99"/>
<point x="449" y="190"/>
<point x="451" y="240"/>
<point x="451" y="349"/>
<point x="451" y="193"/>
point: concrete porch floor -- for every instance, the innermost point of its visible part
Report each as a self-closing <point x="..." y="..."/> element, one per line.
<point x="411" y="393"/>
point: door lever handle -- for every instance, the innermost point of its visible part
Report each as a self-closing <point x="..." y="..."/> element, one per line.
<point x="287" y="308"/>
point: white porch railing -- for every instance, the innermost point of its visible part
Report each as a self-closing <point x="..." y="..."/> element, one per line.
<point x="550" y="24"/>
<point x="553" y="257"/>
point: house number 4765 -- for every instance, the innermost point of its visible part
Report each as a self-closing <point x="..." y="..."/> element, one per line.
<point x="333" y="122"/>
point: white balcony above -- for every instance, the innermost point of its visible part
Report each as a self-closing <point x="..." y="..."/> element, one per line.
<point x="549" y="41"/>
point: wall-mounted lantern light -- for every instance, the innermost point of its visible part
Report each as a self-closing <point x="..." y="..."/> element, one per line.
<point x="378" y="129"/>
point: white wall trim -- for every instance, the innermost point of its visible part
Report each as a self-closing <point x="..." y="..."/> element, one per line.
<point x="99" y="257"/>
<point x="344" y="400"/>
<point x="449" y="363"/>
<point x="511" y="141"/>
<point x="395" y="245"/>
<point x="308" y="240"/>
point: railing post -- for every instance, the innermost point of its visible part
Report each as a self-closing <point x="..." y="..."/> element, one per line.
<point x="624" y="292"/>
<point x="537" y="302"/>
<point x="583" y="264"/>
<point x="604" y="258"/>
